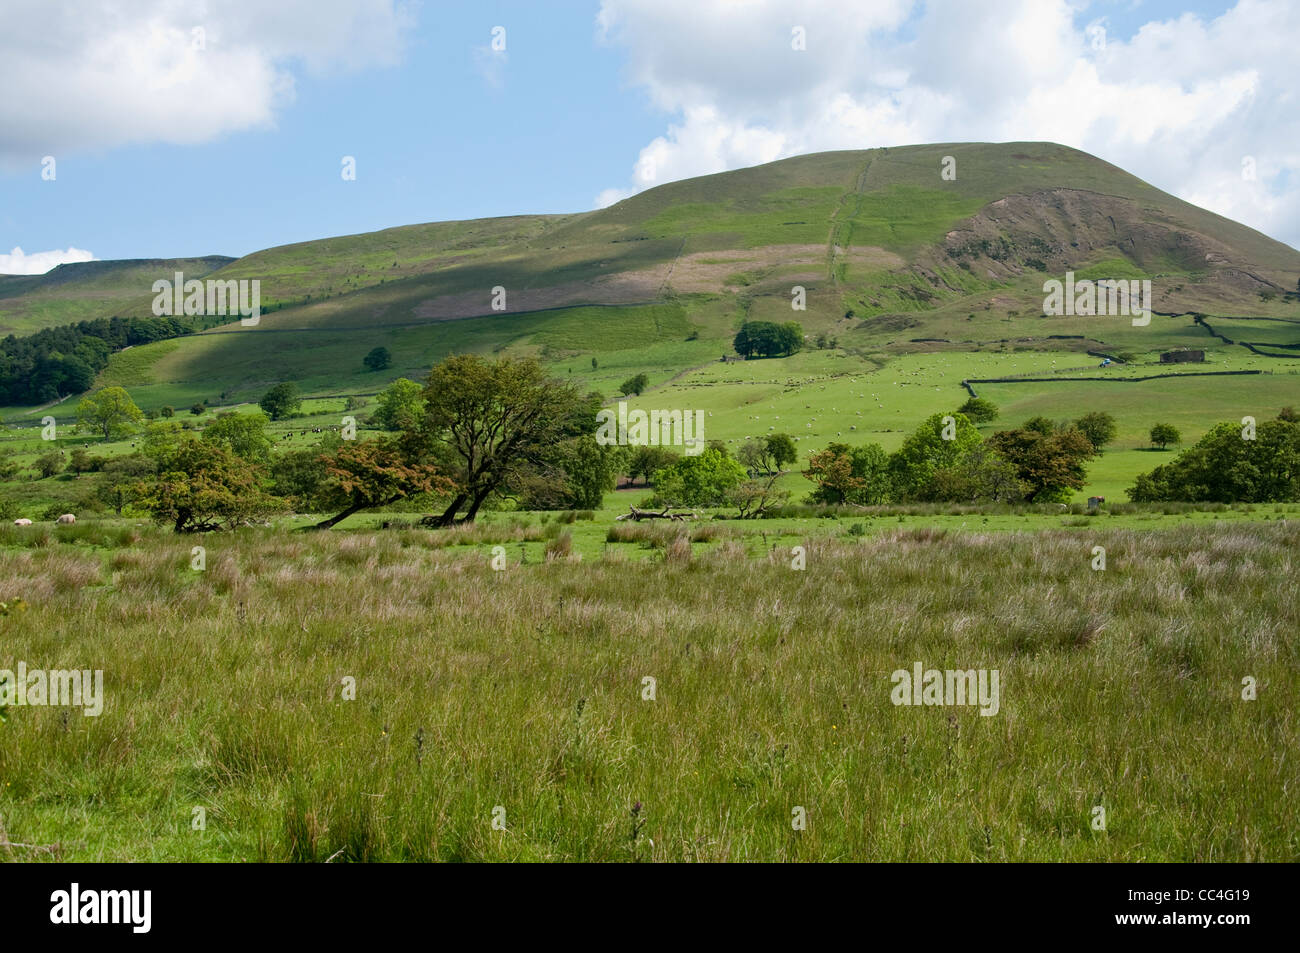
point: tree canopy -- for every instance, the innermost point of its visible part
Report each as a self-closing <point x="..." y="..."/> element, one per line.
<point x="768" y="339"/>
<point x="110" y="413"/>
<point x="1225" y="467"/>
<point x="281" y="401"/>
<point x="488" y="423"/>
<point x="201" y="485"/>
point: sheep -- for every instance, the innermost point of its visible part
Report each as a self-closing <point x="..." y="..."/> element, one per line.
<point x="23" y="522"/>
<point x="67" y="519"/>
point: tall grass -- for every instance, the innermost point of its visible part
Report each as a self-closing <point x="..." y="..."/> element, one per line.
<point x="520" y="695"/>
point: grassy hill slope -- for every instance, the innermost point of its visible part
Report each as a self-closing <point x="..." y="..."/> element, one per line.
<point x="897" y="262"/>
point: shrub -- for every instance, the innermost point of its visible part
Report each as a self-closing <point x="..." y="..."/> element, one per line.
<point x="560" y="547"/>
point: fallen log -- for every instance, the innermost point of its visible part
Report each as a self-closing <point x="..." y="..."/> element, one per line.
<point x="639" y="515"/>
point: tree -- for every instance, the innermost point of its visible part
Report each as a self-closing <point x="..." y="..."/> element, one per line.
<point x="281" y="401"/>
<point x="755" y="498"/>
<point x="634" y="385"/>
<point x="160" y="436"/>
<point x="364" y="474"/>
<point x="778" y="451"/>
<point x="242" y="434"/>
<point x="1100" y="428"/>
<point x="769" y="456"/>
<point x="1288" y="414"/>
<point x="980" y="410"/>
<point x="927" y="449"/>
<point x="1162" y="435"/>
<point x="123" y="480"/>
<point x="576" y="476"/>
<point x="702" y="480"/>
<point x="980" y="476"/>
<point x="168" y="411"/>
<point x="378" y="359"/>
<point x="197" y="409"/>
<point x="486" y="423"/>
<point x="844" y="474"/>
<point x="297" y="476"/>
<point x="1049" y="465"/>
<point x="48" y="464"/>
<point x="202" y="486"/>
<point x="400" y="405"/>
<point x="766" y="339"/>
<point x="1223" y="467"/>
<point x="110" y="413"/>
<point x="83" y="462"/>
<point x="1042" y="425"/>
<point x="645" y="461"/>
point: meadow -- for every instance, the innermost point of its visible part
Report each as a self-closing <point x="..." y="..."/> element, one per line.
<point x="505" y="714"/>
<point x="566" y="686"/>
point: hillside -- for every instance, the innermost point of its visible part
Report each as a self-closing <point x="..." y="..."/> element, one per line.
<point x="916" y="282"/>
<point x="90" y="289"/>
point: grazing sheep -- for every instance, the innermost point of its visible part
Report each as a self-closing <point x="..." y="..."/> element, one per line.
<point x="67" y="519"/>
<point x="23" y="522"/>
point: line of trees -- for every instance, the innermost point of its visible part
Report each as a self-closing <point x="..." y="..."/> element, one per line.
<point x="482" y="433"/>
<point x="946" y="459"/>
<point x="476" y="431"/>
<point x="1230" y="464"/>
<point x="55" y="362"/>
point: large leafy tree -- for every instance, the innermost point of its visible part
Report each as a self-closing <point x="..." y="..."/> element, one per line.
<point x="702" y="480"/>
<point x="634" y="385"/>
<point x="576" y="476"/>
<point x="768" y="339"/>
<point x="1100" y="428"/>
<point x="400" y="405"/>
<point x="488" y="423"/>
<point x="242" y="434"/>
<point x="203" y="486"/>
<point x="1162" y="435"/>
<point x="980" y="476"/>
<point x="928" y="449"/>
<point x="281" y="401"/>
<point x="378" y="359"/>
<point x="768" y="456"/>
<point x="364" y="474"/>
<point x="1050" y="465"/>
<point x="121" y="481"/>
<point x="645" y="461"/>
<point x="768" y="453"/>
<point x="845" y="474"/>
<point x="110" y="412"/>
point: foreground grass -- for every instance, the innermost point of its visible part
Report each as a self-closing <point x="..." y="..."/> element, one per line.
<point x="521" y="692"/>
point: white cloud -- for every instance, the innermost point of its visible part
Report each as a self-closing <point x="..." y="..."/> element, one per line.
<point x="98" y="75"/>
<point x="608" y="197"/>
<point x="38" y="263"/>
<point x="1180" y="103"/>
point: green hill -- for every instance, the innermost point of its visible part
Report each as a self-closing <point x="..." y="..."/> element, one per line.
<point x="90" y="289"/>
<point x="896" y="260"/>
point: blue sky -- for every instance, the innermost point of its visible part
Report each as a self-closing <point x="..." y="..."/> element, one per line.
<point x="589" y="102"/>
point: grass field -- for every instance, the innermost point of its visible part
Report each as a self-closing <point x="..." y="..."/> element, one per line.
<point x="520" y="696"/>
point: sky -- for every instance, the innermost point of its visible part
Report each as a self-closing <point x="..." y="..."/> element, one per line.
<point x="176" y="128"/>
